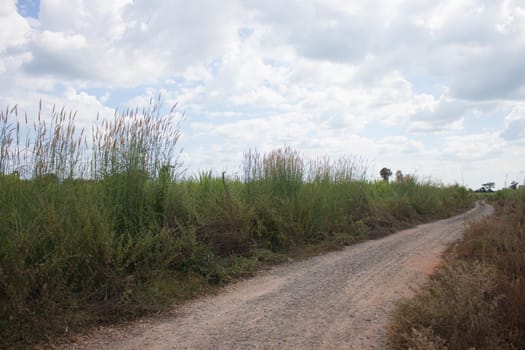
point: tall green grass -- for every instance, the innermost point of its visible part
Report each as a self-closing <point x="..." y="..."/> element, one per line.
<point x="99" y="225"/>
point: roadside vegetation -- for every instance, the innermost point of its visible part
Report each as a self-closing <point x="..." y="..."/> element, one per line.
<point x="101" y="226"/>
<point x="476" y="299"/>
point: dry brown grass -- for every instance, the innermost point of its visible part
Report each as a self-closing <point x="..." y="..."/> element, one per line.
<point x="477" y="297"/>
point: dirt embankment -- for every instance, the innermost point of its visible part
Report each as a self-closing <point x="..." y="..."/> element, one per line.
<point x="339" y="300"/>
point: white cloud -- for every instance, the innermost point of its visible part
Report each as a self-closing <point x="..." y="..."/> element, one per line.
<point x="14" y="30"/>
<point x="123" y="43"/>
<point x="398" y="80"/>
<point x="441" y="115"/>
<point x="515" y="124"/>
<point x="484" y="146"/>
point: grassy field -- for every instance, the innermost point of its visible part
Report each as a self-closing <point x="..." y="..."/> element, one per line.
<point x="476" y="300"/>
<point x="101" y="228"/>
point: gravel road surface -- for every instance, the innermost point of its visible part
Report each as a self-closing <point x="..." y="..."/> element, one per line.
<point x="339" y="300"/>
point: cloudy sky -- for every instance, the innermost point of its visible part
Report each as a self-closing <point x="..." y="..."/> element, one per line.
<point x="435" y="88"/>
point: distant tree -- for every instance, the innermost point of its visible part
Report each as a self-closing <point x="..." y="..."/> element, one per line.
<point x="513" y="185"/>
<point x="399" y="176"/>
<point x="385" y="174"/>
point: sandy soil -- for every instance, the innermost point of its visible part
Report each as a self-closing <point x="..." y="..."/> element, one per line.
<point x="340" y="300"/>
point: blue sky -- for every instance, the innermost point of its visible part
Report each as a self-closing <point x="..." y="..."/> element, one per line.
<point x="435" y="88"/>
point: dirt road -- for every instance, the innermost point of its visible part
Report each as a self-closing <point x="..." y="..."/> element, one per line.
<point x="339" y="300"/>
